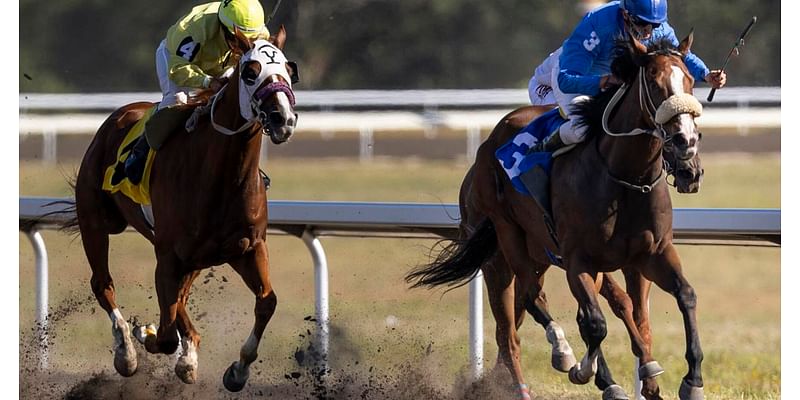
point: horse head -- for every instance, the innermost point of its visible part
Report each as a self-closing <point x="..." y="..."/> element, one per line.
<point x="665" y="94"/>
<point x="265" y="84"/>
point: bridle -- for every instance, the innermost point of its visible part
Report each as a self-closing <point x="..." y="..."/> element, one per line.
<point x="657" y="116"/>
<point x="258" y="89"/>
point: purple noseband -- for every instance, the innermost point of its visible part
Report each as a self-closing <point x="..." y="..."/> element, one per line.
<point x="275" y="87"/>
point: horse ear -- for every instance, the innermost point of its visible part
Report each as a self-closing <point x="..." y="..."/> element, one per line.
<point x="240" y="41"/>
<point x="686" y="44"/>
<point x="279" y="38"/>
<point x="638" y="48"/>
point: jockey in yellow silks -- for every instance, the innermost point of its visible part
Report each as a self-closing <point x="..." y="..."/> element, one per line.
<point x="196" y="54"/>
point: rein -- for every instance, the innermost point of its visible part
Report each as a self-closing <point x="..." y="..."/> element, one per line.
<point x="221" y="129"/>
<point x="647" y="105"/>
<point x="255" y="101"/>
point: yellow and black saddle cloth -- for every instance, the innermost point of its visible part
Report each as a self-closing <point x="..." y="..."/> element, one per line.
<point x="157" y="127"/>
<point x="115" y="179"/>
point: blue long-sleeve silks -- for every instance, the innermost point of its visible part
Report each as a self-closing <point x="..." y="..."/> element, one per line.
<point x="589" y="50"/>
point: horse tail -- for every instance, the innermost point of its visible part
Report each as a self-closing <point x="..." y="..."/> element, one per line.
<point x="66" y="218"/>
<point x="459" y="261"/>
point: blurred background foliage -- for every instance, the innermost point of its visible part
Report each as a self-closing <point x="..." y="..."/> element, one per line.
<point x="107" y="45"/>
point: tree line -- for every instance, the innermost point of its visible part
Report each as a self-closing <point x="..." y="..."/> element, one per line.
<point x="107" y="45"/>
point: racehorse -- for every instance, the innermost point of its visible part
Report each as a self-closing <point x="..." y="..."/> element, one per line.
<point x="208" y="203"/>
<point x="610" y="213"/>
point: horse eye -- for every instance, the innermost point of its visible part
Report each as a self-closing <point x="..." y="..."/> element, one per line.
<point x="250" y="72"/>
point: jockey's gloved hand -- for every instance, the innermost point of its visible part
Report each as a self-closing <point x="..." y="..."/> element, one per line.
<point x="216" y="84"/>
<point x="716" y="78"/>
<point x="609" y="81"/>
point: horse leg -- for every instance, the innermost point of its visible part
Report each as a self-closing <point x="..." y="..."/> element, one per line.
<point x="186" y="366"/>
<point x="562" y="357"/>
<point x="94" y="237"/>
<point x="638" y="289"/>
<point x="253" y="267"/>
<point x="507" y="308"/>
<point x="500" y="286"/>
<point x="169" y="282"/>
<point x="627" y="307"/>
<point x="666" y="271"/>
<point x="591" y="322"/>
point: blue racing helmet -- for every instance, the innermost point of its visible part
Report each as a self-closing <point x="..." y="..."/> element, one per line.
<point x="652" y="11"/>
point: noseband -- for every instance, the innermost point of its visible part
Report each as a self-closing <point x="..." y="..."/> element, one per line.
<point x="679" y="103"/>
<point x="255" y="102"/>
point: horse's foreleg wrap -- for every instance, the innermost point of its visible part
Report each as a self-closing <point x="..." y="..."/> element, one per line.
<point x="125" y="361"/>
<point x="186" y="367"/>
<point x="523" y="392"/>
<point x="583" y="372"/>
<point x="562" y="358"/>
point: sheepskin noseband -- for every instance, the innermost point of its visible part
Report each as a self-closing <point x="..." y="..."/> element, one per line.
<point x="683" y="103"/>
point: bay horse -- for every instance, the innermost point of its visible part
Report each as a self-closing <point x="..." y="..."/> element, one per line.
<point x="610" y="213"/>
<point x="208" y="202"/>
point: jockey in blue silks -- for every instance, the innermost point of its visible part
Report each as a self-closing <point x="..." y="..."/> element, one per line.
<point x="584" y="65"/>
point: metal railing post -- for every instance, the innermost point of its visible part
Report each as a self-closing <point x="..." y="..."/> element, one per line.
<point x="40" y="253"/>
<point x="637" y="382"/>
<point x="366" y="143"/>
<point x="476" y="326"/>
<point x="49" y="145"/>
<point x="473" y="142"/>
<point x="321" y="294"/>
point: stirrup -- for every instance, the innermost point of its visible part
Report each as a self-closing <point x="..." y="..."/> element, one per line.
<point x="265" y="178"/>
<point x="137" y="158"/>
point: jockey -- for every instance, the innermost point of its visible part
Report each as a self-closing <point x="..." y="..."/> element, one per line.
<point x="584" y="65"/>
<point x="196" y="54"/>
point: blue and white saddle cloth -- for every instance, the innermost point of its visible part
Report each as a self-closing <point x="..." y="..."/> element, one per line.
<point x="514" y="157"/>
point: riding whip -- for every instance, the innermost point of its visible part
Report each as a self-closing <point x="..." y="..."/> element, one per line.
<point x="274" y="10"/>
<point x="735" y="50"/>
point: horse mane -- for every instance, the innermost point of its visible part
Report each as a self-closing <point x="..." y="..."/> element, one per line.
<point x="625" y="66"/>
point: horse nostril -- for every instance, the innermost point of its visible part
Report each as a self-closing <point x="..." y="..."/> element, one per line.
<point x="680" y="141"/>
<point x="276" y="118"/>
<point x="692" y="142"/>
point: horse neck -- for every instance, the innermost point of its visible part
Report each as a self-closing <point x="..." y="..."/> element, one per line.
<point x="636" y="159"/>
<point x="240" y="153"/>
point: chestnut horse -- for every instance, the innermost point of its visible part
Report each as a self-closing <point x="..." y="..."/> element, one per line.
<point x="610" y="213"/>
<point x="208" y="203"/>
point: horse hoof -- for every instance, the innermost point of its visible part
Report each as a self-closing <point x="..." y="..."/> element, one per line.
<point x="234" y="381"/>
<point x="689" y="392"/>
<point x="187" y="371"/>
<point x="650" y="370"/>
<point x="576" y="377"/>
<point x="125" y="361"/>
<point x="563" y="361"/>
<point x="141" y="332"/>
<point x="614" y="392"/>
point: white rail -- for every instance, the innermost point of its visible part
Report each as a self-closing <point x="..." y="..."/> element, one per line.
<point x="328" y="100"/>
<point x="310" y="220"/>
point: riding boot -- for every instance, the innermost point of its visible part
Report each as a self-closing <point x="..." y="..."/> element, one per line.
<point x="549" y="144"/>
<point x="135" y="163"/>
<point x="265" y="178"/>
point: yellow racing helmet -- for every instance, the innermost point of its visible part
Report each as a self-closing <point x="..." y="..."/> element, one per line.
<point x="247" y="15"/>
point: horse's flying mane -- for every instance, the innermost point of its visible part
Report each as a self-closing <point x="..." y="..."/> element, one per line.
<point x="625" y="66"/>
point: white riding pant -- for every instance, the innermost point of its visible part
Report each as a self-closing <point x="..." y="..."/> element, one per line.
<point x="546" y="77"/>
<point x="540" y="86"/>
<point x="171" y="93"/>
<point x="570" y="134"/>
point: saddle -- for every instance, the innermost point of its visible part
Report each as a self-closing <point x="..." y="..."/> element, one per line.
<point x="528" y="171"/>
<point x="156" y="126"/>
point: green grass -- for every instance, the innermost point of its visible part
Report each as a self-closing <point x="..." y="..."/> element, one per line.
<point x="738" y="293"/>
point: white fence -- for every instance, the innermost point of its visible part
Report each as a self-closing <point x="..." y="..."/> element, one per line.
<point x="370" y="111"/>
<point x="310" y="220"/>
